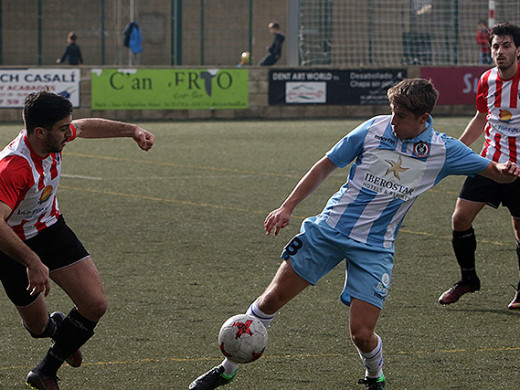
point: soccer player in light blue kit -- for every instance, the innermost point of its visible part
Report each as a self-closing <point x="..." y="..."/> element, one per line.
<point x="395" y="159"/>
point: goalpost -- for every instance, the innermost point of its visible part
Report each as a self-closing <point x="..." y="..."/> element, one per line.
<point x="396" y="32"/>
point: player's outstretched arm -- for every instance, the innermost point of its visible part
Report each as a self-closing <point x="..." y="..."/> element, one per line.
<point x="280" y="218"/>
<point x="502" y="173"/>
<point x="105" y="128"/>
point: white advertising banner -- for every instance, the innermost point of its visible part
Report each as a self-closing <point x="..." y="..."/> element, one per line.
<point x="306" y="92"/>
<point x="16" y="84"/>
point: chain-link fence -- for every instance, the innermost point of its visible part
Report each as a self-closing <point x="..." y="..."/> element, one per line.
<point x="394" y="32"/>
<point x="174" y="32"/>
<point x="215" y="32"/>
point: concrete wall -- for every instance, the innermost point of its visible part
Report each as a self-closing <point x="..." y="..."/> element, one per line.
<point x="258" y="106"/>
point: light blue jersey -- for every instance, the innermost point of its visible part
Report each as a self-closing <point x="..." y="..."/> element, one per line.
<point x="387" y="176"/>
<point x="360" y="222"/>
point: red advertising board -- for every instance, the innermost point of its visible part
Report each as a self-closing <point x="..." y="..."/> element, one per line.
<point x="456" y="85"/>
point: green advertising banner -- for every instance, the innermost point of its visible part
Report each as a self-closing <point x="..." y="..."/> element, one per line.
<point x="169" y="89"/>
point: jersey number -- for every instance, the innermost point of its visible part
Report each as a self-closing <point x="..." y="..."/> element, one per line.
<point x="294" y="246"/>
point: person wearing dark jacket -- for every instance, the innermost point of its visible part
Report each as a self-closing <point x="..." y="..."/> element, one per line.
<point x="274" y="52"/>
<point x="72" y="52"/>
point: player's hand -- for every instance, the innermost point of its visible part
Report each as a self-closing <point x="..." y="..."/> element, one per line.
<point x="277" y="219"/>
<point x="512" y="169"/>
<point x="38" y="276"/>
<point x="144" y="139"/>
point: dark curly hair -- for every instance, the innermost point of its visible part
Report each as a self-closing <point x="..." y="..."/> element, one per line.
<point x="44" y="109"/>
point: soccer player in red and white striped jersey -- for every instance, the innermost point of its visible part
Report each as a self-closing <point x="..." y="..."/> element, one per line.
<point x="498" y="117"/>
<point x="35" y="242"/>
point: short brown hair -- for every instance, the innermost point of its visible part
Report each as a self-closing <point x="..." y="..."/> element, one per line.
<point x="416" y="95"/>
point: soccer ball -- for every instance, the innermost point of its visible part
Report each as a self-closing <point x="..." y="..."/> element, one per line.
<point x="245" y="58"/>
<point x="242" y="338"/>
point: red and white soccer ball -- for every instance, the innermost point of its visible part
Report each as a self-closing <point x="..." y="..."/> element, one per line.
<point x="242" y="338"/>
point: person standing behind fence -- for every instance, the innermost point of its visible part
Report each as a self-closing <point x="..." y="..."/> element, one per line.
<point x="72" y="52"/>
<point x="482" y="39"/>
<point x="274" y="52"/>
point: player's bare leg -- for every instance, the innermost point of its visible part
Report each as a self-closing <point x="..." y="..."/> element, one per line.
<point x="82" y="283"/>
<point x="35" y="316"/>
<point x="285" y="285"/>
<point x="363" y="320"/>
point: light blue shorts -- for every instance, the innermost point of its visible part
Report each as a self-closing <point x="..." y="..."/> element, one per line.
<point x="319" y="248"/>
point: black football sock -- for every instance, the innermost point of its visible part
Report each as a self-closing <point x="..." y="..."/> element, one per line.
<point x="518" y="255"/>
<point x="49" y="331"/>
<point x="464" y="245"/>
<point x="70" y="336"/>
<point x="50" y="364"/>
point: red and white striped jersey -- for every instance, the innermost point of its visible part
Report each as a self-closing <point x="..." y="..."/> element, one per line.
<point x="28" y="185"/>
<point x="500" y="100"/>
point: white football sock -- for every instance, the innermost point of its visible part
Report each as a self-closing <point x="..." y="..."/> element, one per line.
<point x="254" y="311"/>
<point x="229" y="367"/>
<point x="373" y="360"/>
<point x="266" y="319"/>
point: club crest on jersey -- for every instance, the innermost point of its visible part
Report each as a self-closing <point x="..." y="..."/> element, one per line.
<point x="46" y="193"/>
<point x="505" y="116"/>
<point x="421" y="149"/>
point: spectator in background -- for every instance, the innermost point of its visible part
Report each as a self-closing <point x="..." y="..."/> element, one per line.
<point x="482" y="39"/>
<point x="72" y="52"/>
<point x="274" y="52"/>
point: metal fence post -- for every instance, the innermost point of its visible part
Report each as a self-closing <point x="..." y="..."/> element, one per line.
<point x="102" y="32"/>
<point x="202" y="32"/>
<point x="39" y="32"/>
<point x="1" y="35"/>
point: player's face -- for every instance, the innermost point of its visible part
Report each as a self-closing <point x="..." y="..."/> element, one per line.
<point x="405" y="124"/>
<point x="504" y="52"/>
<point x="58" y="135"/>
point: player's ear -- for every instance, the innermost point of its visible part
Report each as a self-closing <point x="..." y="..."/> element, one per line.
<point x="423" y="118"/>
<point x="40" y="132"/>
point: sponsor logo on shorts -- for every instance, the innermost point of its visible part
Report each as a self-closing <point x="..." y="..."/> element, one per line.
<point x="377" y="295"/>
<point x="385" y="279"/>
<point x="382" y="287"/>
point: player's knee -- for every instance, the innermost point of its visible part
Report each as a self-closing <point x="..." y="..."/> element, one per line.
<point x="101" y="307"/>
<point x="460" y="221"/>
<point x="95" y="309"/>
<point x="361" y="337"/>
